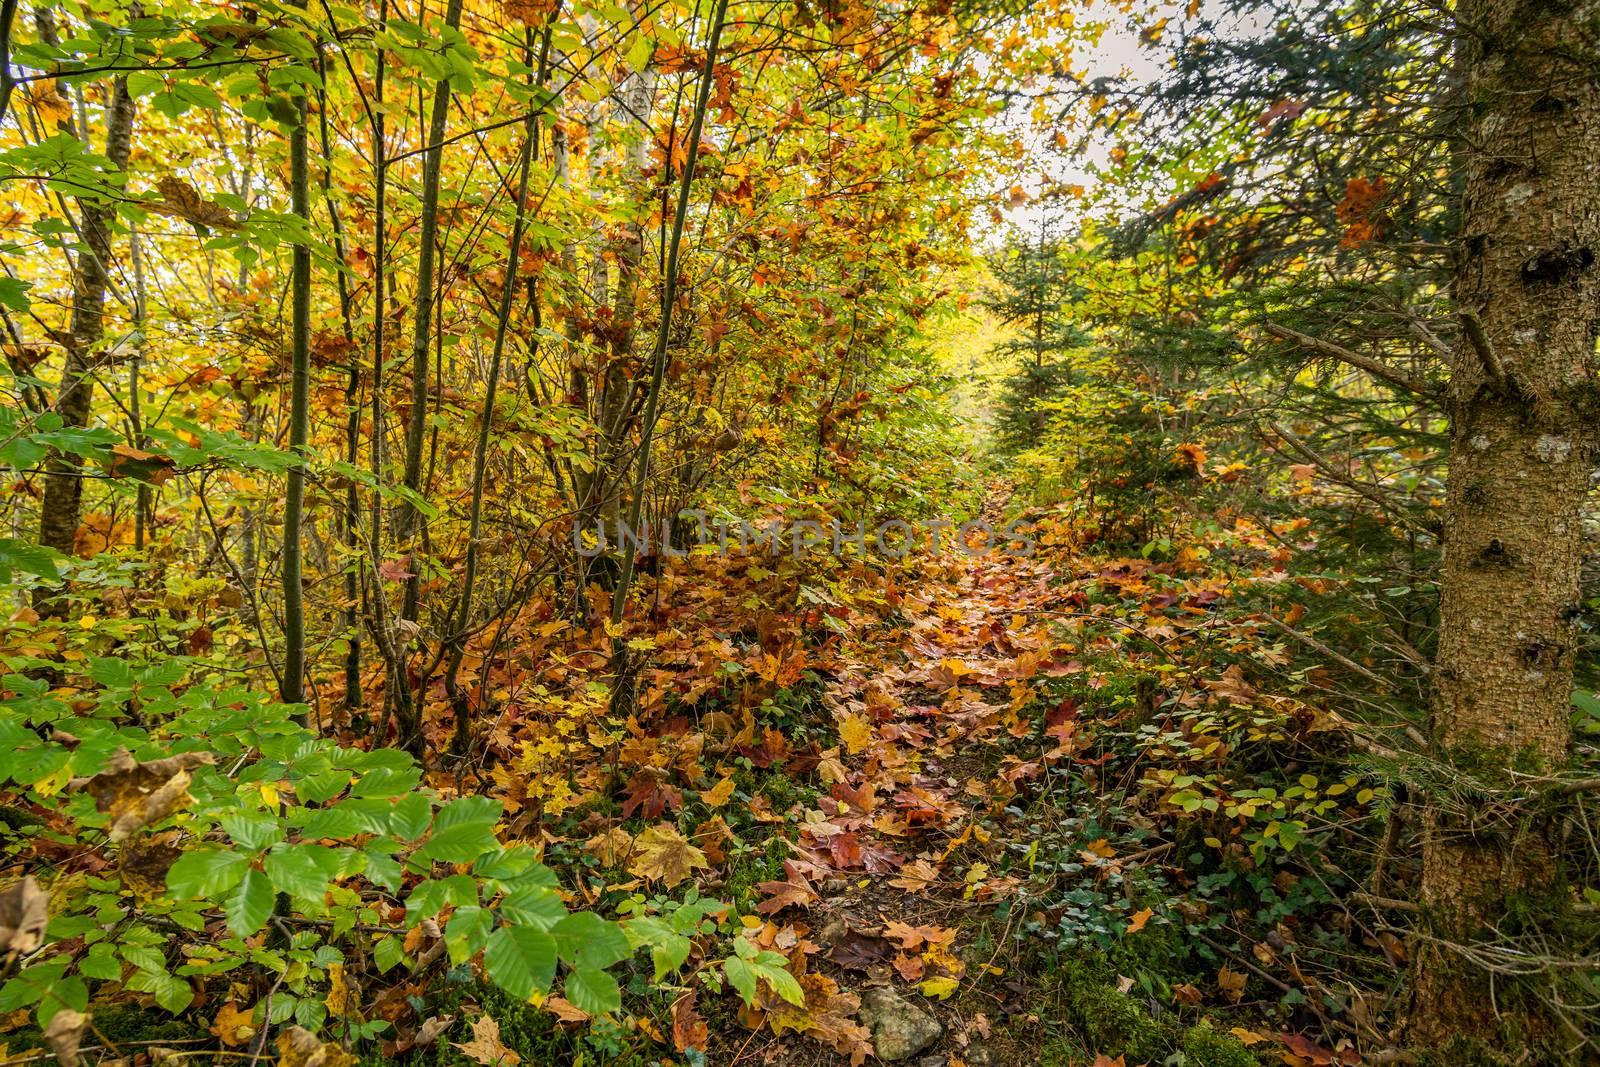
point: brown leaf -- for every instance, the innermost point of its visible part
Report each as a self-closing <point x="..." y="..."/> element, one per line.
<point x="137" y="794"/>
<point x="795" y="892"/>
<point x="299" y="1047"/>
<point x="64" y="1034"/>
<point x="1231" y="983"/>
<point x="650" y="795"/>
<point x="565" y="1010"/>
<point x="486" y="1047"/>
<point x="181" y="200"/>
<point x="141" y="466"/>
<point x="689" y="1030"/>
<point x="24" y="911"/>
<point x="431" y="1029"/>
<point x="857" y="951"/>
<point x="1140" y="917"/>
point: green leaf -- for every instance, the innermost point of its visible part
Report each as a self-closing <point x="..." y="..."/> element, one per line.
<point x="594" y="991"/>
<point x="467" y="932"/>
<point x="206" y="873"/>
<point x="585" y="940"/>
<point x="668" y="948"/>
<point x="537" y="907"/>
<point x="171" y="993"/>
<point x="742" y="977"/>
<point x="302" y="870"/>
<point x="247" y="910"/>
<point x="461" y="843"/>
<point x="521" y="960"/>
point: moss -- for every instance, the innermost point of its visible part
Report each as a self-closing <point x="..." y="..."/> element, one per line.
<point x="752" y="868"/>
<point x="1111" y="1022"/>
<point x="129" y="1022"/>
<point x="1205" y="1047"/>
<point x="531" y="1033"/>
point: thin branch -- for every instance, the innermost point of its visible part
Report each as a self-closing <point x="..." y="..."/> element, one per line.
<point x="1374" y="367"/>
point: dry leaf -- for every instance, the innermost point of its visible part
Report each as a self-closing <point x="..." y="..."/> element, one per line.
<point x="485" y="1046"/>
<point x="718" y="795"/>
<point x="24" y="911"/>
<point x="299" y="1047"/>
<point x="232" y="1026"/>
<point x="689" y="1030"/>
<point x="137" y="794"/>
<point x="1140" y="917"/>
<point x="430" y="1030"/>
<point x="664" y="855"/>
<point x="181" y="200"/>
<point x="855" y="732"/>
<point x="565" y="1010"/>
<point x="64" y="1034"/>
<point x="1231" y="983"/>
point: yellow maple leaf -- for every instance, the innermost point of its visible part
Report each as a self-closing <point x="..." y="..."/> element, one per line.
<point x="939" y="987"/>
<point x="718" y="794"/>
<point x="856" y="733"/>
<point x="662" y="854"/>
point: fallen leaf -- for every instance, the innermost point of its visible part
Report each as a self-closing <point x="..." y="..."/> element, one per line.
<point x="232" y="1026"/>
<point x="64" y="1034"/>
<point x="1232" y="983"/>
<point x="664" y="855"/>
<point x="137" y="794"/>
<point x="565" y="1010"/>
<point x="24" y="911"/>
<point x="718" y="795"/>
<point x="689" y="1030"/>
<point x="1140" y="917"/>
<point x="486" y="1047"/>
<point x="299" y="1047"/>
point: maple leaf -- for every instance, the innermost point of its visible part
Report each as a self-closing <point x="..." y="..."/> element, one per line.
<point x="1231" y="983"/>
<point x="612" y="848"/>
<point x="795" y="892"/>
<point x="858" y="951"/>
<point x="1140" y="917"/>
<point x="486" y="1047"/>
<point x="915" y="876"/>
<point x="662" y="854"/>
<point x="689" y="1030"/>
<point x="718" y="795"/>
<point x="855" y="733"/>
<point x="650" y="795"/>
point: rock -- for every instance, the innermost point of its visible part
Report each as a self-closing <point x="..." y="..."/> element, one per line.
<point x="978" y="1056"/>
<point x="900" y="1029"/>
<point x="934" y="1060"/>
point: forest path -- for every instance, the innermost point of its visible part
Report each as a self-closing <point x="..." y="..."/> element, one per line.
<point x="898" y="879"/>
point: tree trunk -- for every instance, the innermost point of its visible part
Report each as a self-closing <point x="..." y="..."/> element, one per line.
<point x="294" y="620"/>
<point x="63" y="484"/>
<point x="1523" y="440"/>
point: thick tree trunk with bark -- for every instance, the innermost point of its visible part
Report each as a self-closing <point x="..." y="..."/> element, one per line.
<point x="1524" y="406"/>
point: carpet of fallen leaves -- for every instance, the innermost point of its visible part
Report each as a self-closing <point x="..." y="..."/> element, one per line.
<point x="853" y="729"/>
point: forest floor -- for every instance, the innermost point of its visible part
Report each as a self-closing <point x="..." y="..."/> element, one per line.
<point x="967" y="818"/>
